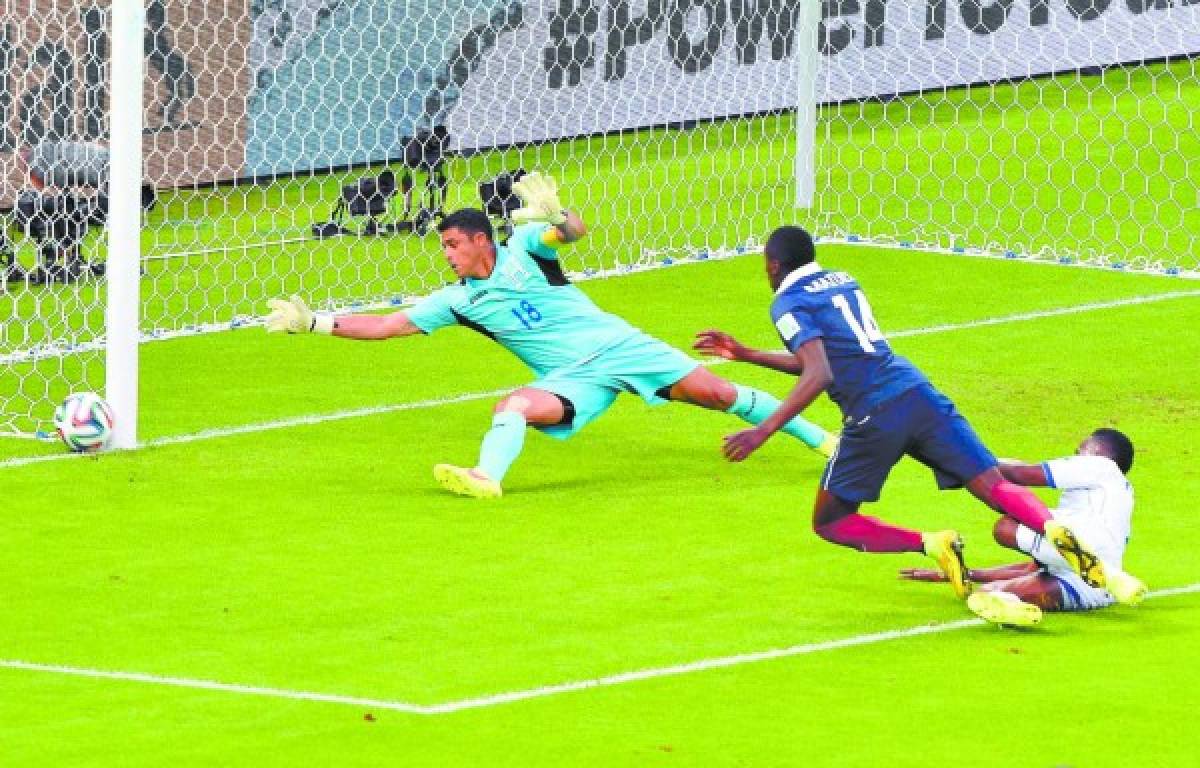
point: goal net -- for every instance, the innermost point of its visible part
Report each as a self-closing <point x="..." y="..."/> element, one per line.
<point x="1049" y="129"/>
<point x="307" y="146"/>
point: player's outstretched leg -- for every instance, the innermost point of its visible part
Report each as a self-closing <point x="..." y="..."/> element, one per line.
<point x="1003" y="608"/>
<point x="704" y="388"/>
<point x="1078" y="555"/>
<point x="502" y="444"/>
<point x="946" y="547"/>
<point x="839" y="522"/>
<point x="500" y="448"/>
<point x="1125" y="588"/>
<point x="754" y="406"/>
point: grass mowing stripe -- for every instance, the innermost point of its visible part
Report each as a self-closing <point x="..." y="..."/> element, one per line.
<point x="492" y="700"/>
<point x="355" y="413"/>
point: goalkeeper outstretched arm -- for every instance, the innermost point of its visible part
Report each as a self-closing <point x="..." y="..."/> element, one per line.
<point x="374" y="327"/>
<point x="540" y="202"/>
<point x="293" y="316"/>
<point x="571" y="230"/>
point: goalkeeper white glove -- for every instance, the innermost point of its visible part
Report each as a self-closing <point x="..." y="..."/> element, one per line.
<point x="539" y="200"/>
<point x="294" y="316"/>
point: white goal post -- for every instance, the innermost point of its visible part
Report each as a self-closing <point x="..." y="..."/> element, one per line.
<point x="123" y="311"/>
<point x="807" y="96"/>
<point x="257" y="148"/>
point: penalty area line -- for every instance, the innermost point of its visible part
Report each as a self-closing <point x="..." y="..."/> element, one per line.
<point x="492" y="700"/>
<point x="355" y="413"/>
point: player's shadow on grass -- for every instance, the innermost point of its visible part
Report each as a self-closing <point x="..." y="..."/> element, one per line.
<point x="580" y="487"/>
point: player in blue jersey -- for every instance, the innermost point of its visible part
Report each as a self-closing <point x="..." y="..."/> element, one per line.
<point x="889" y="410"/>
<point x="517" y="295"/>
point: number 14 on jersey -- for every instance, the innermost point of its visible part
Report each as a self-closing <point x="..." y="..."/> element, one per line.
<point x="863" y="326"/>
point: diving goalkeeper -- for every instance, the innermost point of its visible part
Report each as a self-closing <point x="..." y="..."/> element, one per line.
<point x="517" y="295"/>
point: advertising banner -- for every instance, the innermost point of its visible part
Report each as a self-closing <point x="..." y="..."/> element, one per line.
<point x="246" y="88"/>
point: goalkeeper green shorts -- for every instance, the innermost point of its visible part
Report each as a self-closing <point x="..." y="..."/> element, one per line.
<point x="640" y="365"/>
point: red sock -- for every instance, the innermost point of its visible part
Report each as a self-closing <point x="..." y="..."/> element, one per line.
<point x="1020" y="504"/>
<point x="869" y="534"/>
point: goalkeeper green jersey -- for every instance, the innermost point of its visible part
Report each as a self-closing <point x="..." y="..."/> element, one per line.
<point x="528" y="306"/>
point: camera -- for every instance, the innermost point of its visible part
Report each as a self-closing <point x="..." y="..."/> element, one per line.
<point x="58" y="224"/>
<point x="369" y="195"/>
<point x="426" y="151"/>
<point x="37" y="214"/>
<point x="499" y="201"/>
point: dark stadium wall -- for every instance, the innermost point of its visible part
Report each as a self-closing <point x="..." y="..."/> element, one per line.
<point x="255" y="89"/>
<point x="53" y="85"/>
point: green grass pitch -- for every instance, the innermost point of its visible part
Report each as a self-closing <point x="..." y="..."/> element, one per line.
<point x="321" y="558"/>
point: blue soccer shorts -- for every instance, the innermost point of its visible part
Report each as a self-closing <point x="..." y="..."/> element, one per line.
<point x="921" y="423"/>
<point x="640" y="365"/>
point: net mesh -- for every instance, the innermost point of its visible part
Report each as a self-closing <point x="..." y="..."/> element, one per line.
<point x="307" y="146"/>
<point x="1074" y="137"/>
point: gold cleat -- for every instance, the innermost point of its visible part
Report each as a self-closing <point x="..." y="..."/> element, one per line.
<point x="1004" y="609"/>
<point x="946" y="548"/>
<point x="466" y="482"/>
<point x="1077" y="554"/>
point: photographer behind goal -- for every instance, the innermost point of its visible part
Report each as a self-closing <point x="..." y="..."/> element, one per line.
<point x="67" y="196"/>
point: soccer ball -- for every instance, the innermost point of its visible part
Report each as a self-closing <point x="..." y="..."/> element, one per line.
<point x="84" y="422"/>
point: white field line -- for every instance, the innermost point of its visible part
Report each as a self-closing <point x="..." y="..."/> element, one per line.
<point x="211" y="434"/>
<point x="483" y="702"/>
<point x="267" y="426"/>
<point x="212" y="685"/>
<point x="1043" y="313"/>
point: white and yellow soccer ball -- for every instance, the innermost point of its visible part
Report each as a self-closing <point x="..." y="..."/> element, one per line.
<point x="84" y="422"/>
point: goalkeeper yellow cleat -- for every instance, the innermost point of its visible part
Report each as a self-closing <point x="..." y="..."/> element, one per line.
<point x="1077" y="554"/>
<point x="1004" y="609"/>
<point x="828" y="445"/>
<point x="466" y="482"/>
<point x="946" y="547"/>
<point x="1125" y="588"/>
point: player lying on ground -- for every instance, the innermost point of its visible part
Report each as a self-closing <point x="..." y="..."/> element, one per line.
<point x="890" y="410"/>
<point x="517" y="295"/>
<point x="1096" y="501"/>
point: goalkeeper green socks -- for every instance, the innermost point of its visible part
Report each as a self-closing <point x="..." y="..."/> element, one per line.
<point x="502" y="444"/>
<point x="754" y="406"/>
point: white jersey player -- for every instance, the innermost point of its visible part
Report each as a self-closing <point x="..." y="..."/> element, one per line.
<point x="1096" y="501"/>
